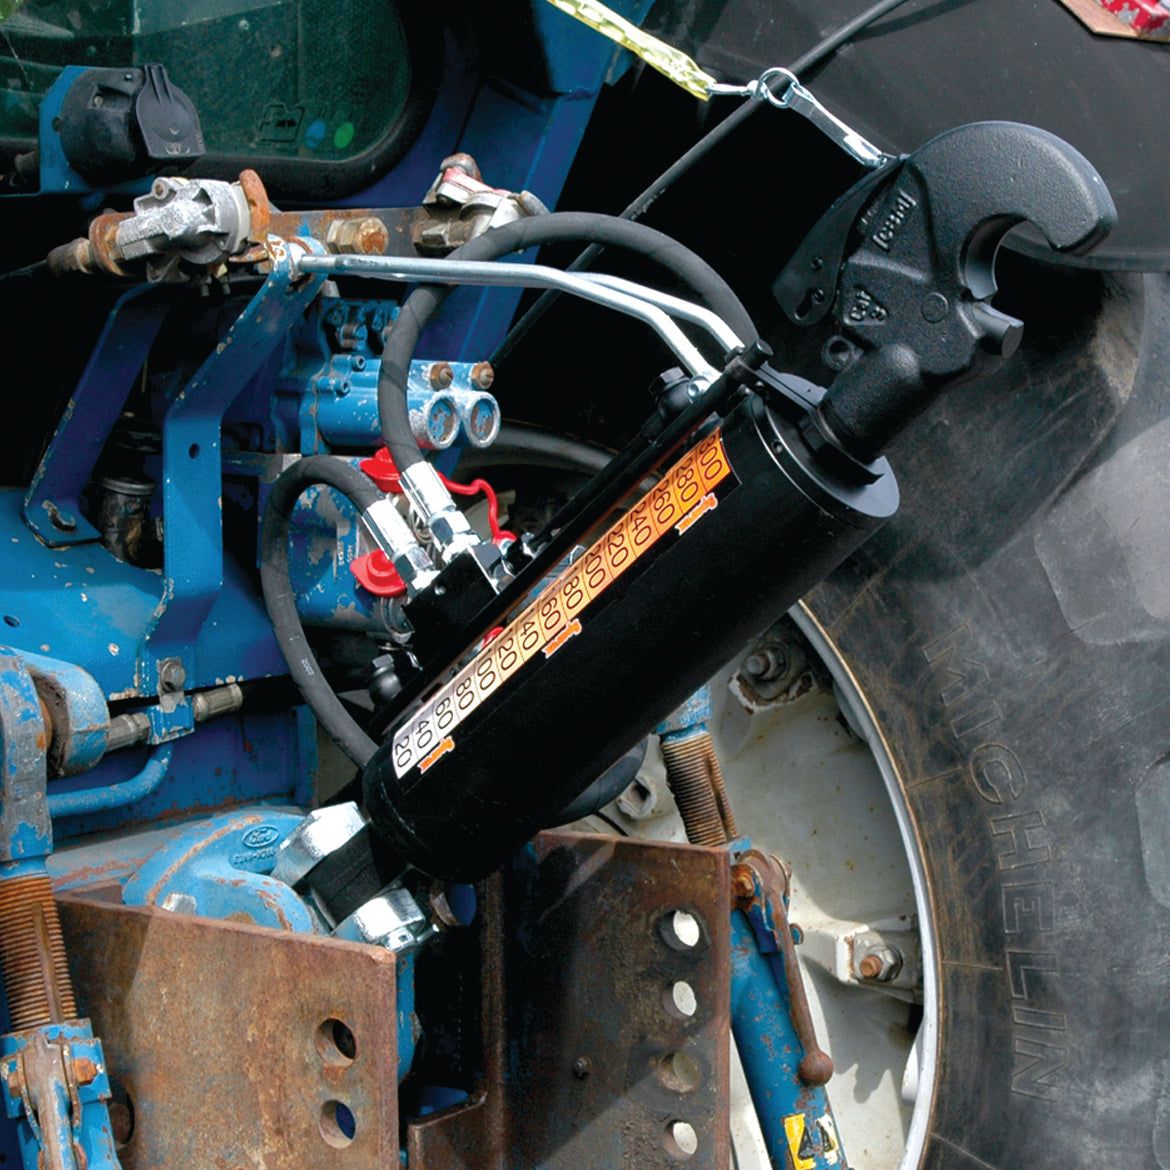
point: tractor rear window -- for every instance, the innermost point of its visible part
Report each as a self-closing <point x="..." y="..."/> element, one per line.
<point x="299" y="80"/>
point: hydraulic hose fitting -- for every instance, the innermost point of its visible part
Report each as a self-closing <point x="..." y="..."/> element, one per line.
<point x="394" y="537"/>
<point x="479" y="412"/>
<point x="433" y="505"/>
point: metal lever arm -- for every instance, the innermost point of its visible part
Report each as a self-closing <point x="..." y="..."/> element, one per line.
<point x="912" y="296"/>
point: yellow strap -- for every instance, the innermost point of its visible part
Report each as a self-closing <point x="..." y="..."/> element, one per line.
<point x="668" y="60"/>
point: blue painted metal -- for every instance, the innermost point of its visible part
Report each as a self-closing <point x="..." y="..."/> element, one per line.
<point x="346" y="408"/>
<point x="327" y="390"/>
<point x="691" y="717"/>
<point x="25" y="829"/>
<point x="221" y="868"/>
<point x="43" y="1111"/>
<point x="193" y="555"/>
<point x="82" y="603"/>
<point x="326" y="538"/>
<point x="236" y="760"/>
<point x="93" y="800"/>
<point x="521" y="140"/>
<point x="770" y="1051"/>
<point x="52" y="505"/>
<point x="407" y="1022"/>
<point x="78" y="709"/>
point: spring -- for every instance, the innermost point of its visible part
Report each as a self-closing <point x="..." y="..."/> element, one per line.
<point x="36" y="974"/>
<point x="696" y="780"/>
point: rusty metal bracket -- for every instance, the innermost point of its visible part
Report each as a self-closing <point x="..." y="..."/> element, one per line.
<point x="611" y="1048"/>
<point x="220" y="1039"/>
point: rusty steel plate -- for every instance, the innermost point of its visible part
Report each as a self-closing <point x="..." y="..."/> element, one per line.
<point x="222" y="1035"/>
<point x="605" y="1068"/>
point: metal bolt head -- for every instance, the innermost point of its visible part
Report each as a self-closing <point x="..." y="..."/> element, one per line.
<point x="743" y="885"/>
<point x="482" y="375"/>
<point x="582" y="1067"/>
<point x="766" y="664"/>
<point x="171" y="675"/>
<point x="365" y="236"/>
<point x="323" y="831"/>
<point x="441" y="375"/>
<point x="880" y="964"/>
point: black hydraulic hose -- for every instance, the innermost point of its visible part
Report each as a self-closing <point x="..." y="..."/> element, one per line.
<point x="559" y="227"/>
<point x="695" y="154"/>
<point x="280" y="599"/>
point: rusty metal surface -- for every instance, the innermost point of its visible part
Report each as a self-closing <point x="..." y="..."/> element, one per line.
<point x="332" y="223"/>
<point x="588" y="961"/>
<point x="215" y="1031"/>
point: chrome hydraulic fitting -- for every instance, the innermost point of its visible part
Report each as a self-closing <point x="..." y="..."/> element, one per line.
<point x="393" y="535"/>
<point x="433" y="505"/>
<point x="392" y="919"/>
<point x="322" y="832"/>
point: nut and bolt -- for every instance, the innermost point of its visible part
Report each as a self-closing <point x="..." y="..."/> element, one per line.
<point x="441" y="375"/>
<point x="171" y="675"/>
<point x="482" y="375"/>
<point x="61" y="519"/>
<point x="85" y="1071"/>
<point x="639" y="801"/>
<point x="743" y="883"/>
<point x="365" y="236"/>
<point x="879" y="964"/>
<point x="766" y="664"/>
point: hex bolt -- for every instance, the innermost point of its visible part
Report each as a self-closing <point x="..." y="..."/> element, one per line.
<point x="441" y="375"/>
<point x="60" y="518"/>
<point x="84" y="1070"/>
<point x="880" y="964"/>
<point x="766" y="664"/>
<point x="171" y="675"/>
<point x="365" y="236"/>
<point x="582" y="1067"/>
<point x="482" y="375"/>
<point x="743" y="885"/>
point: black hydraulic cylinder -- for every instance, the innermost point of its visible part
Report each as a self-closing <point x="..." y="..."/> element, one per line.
<point x="740" y="527"/>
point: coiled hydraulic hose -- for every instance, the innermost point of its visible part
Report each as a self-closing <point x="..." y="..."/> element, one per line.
<point x="559" y="227"/>
<point x="280" y="598"/>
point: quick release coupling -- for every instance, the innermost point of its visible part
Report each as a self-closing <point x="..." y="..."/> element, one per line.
<point x="433" y="505"/>
<point x="393" y="535"/>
